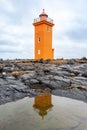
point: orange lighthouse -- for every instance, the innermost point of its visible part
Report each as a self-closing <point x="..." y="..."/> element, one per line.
<point x="43" y="37"/>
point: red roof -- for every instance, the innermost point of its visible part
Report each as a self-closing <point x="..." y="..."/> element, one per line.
<point x="43" y="13"/>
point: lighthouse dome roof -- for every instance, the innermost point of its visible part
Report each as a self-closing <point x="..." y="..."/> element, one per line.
<point x="43" y="13"/>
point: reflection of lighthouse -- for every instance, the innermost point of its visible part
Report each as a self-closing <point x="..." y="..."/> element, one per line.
<point x="43" y="103"/>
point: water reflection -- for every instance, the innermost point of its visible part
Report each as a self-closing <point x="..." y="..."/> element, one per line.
<point x="43" y="103"/>
<point x="66" y="114"/>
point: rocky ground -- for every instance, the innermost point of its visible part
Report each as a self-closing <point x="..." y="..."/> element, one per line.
<point x="21" y="78"/>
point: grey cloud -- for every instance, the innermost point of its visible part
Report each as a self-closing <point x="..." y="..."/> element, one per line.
<point x="8" y="51"/>
<point x="7" y="43"/>
<point x="71" y="15"/>
<point x="78" y="30"/>
<point x="79" y="34"/>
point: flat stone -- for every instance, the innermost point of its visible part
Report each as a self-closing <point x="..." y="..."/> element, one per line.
<point x="79" y="81"/>
<point x="75" y="94"/>
<point x="33" y="81"/>
<point x="28" y="76"/>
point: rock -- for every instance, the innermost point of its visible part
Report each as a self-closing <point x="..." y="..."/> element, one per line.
<point x="33" y="81"/>
<point x="81" y="87"/>
<point x="1" y="69"/>
<point x="84" y="74"/>
<point x="63" y="73"/>
<point x="1" y="60"/>
<point x="10" y="78"/>
<point x="2" y="82"/>
<point x="71" y="62"/>
<point x="79" y="81"/>
<point x="54" y="81"/>
<point x="83" y="58"/>
<point x="75" y="94"/>
<point x="27" y="82"/>
<point x="69" y="79"/>
<point x="64" y="67"/>
<point x="28" y="76"/>
<point x="13" y="90"/>
<point x="8" y="69"/>
<point x="19" y="88"/>
<point x="4" y="74"/>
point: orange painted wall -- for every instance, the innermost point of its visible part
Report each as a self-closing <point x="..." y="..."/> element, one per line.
<point x="43" y="30"/>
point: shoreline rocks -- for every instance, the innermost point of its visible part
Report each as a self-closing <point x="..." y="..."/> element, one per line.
<point x="19" y="79"/>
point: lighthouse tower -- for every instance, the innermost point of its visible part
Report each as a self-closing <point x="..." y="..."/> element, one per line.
<point x="43" y="37"/>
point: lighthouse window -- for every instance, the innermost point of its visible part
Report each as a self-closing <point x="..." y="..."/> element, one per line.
<point x="48" y="28"/>
<point x="38" y="52"/>
<point x="38" y="39"/>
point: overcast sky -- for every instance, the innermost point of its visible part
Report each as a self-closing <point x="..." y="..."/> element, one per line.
<point x="17" y="31"/>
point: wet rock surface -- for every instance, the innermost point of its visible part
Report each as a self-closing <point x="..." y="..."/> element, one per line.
<point x="21" y="78"/>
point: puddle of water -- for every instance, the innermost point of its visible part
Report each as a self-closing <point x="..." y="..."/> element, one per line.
<point x="44" y="112"/>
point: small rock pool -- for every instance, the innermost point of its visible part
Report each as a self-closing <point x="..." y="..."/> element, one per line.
<point x="44" y="112"/>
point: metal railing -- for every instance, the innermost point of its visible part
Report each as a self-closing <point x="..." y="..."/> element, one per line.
<point x="48" y="19"/>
